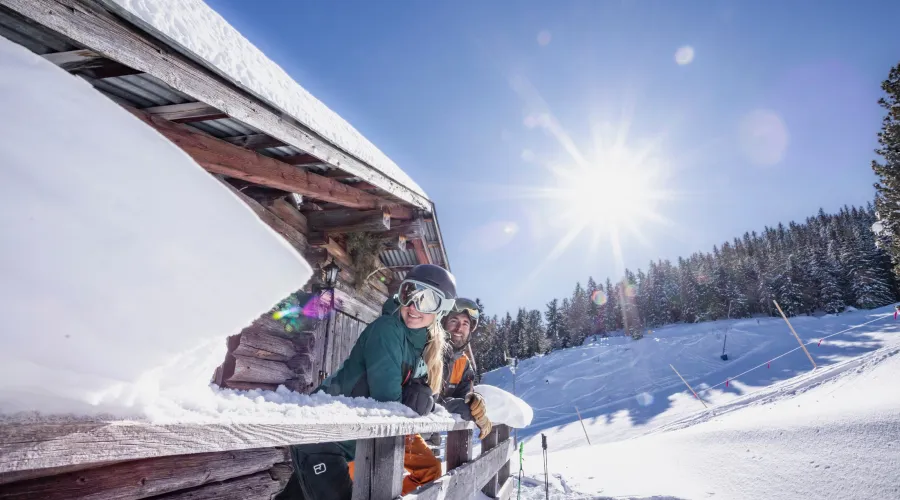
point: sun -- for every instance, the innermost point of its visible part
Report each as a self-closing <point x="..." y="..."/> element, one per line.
<point x="614" y="192"/>
<point x="608" y="193"/>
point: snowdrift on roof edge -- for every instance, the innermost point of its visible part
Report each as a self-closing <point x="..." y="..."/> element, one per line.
<point x="124" y="264"/>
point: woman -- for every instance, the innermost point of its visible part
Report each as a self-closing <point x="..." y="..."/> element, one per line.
<point x="398" y="357"/>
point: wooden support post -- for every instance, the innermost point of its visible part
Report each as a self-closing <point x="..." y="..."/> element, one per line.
<point x="459" y="448"/>
<point x="808" y="355"/>
<point x="421" y="253"/>
<point x="689" y="386"/>
<point x="378" y="468"/>
<point x="582" y="426"/>
<point x="498" y="436"/>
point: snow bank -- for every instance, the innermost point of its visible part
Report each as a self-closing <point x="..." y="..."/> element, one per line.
<point x="195" y="27"/>
<point x="124" y="264"/>
<point x="505" y="408"/>
<point x="774" y="427"/>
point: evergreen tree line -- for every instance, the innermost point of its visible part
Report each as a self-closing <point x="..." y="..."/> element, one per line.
<point x="823" y="265"/>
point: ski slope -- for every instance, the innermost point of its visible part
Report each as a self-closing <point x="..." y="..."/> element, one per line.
<point x="778" y="431"/>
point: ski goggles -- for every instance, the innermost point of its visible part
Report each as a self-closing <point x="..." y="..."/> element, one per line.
<point x="469" y="307"/>
<point x="424" y="297"/>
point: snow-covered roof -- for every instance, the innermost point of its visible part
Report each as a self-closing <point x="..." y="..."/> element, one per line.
<point x="201" y="32"/>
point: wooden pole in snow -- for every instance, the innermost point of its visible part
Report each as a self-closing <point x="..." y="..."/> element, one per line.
<point x="688" y="386"/>
<point x="808" y="355"/>
<point x="582" y="426"/>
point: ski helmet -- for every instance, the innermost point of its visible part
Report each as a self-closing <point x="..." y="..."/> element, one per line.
<point x="470" y="308"/>
<point x="429" y="278"/>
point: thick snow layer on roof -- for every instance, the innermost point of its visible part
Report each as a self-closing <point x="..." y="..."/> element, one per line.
<point x="124" y="264"/>
<point x="203" y="32"/>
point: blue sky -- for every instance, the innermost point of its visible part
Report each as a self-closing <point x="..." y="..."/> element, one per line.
<point x="773" y="117"/>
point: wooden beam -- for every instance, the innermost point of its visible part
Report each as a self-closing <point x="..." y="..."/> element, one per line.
<point x="421" y="253"/>
<point x="365" y="186"/>
<point x="343" y="221"/>
<point x="89" y="63"/>
<point x="147" y="477"/>
<point x="301" y="160"/>
<point x="289" y="213"/>
<point x="378" y="471"/>
<point x="252" y="369"/>
<point x="262" y="485"/>
<point x="91" y="24"/>
<point x="254" y="141"/>
<point x="461" y="483"/>
<point x="28" y="446"/>
<point x="264" y="346"/>
<point x="220" y="157"/>
<point x="186" y="113"/>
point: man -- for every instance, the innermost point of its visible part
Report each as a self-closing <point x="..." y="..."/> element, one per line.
<point x="459" y="370"/>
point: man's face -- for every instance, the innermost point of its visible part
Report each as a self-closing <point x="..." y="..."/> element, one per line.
<point x="459" y="326"/>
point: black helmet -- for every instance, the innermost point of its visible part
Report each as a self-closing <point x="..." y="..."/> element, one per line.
<point x="432" y="289"/>
<point x="435" y="276"/>
<point x="470" y="308"/>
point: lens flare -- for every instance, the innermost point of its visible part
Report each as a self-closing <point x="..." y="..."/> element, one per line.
<point x="598" y="297"/>
<point x="629" y="290"/>
<point x="284" y="313"/>
<point x="644" y="399"/>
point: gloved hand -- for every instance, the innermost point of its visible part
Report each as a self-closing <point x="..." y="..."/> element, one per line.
<point x="460" y="407"/>
<point x="479" y="413"/>
<point x="418" y="396"/>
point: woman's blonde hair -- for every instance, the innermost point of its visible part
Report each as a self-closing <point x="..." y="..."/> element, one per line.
<point x="433" y="355"/>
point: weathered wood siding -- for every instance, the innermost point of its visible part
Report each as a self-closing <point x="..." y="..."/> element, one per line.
<point x="344" y="333"/>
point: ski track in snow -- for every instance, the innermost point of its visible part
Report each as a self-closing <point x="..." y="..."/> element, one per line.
<point x="778" y="432"/>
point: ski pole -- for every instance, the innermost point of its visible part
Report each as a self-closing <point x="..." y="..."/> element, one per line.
<point x="546" y="473"/>
<point x="521" y="459"/>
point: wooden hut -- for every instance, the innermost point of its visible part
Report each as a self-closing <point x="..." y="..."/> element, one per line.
<point x="330" y="205"/>
<point x="314" y="189"/>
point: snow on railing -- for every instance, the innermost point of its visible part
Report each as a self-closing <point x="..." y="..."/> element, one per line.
<point x="151" y="459"/>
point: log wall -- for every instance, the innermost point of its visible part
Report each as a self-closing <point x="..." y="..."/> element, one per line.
<point x="240" y="474"/>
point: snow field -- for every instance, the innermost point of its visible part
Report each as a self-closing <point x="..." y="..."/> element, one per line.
<point x="781" y="432"/>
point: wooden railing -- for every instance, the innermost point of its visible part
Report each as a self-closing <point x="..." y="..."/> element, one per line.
<point x="107" y="459"/>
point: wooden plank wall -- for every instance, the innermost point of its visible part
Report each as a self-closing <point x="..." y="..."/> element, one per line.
<point x="240" y="474"/>
<point x="345" y="331"/>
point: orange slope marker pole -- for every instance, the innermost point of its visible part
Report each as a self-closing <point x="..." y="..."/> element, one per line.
<point x="808" y="355"/>
<point x="689" y="386"/>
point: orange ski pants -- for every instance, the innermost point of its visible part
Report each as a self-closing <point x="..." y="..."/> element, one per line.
<point x="420" y="463"/>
